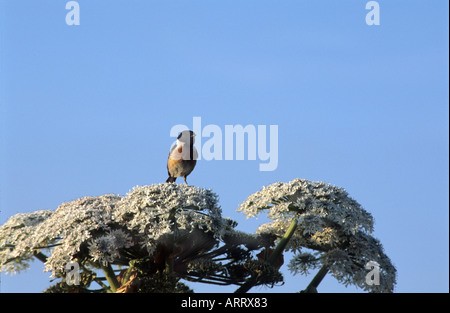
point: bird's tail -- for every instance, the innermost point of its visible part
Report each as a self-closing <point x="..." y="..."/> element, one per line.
<point x="171" y="179"/>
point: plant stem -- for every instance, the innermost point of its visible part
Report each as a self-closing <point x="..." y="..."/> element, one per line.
<point x="111" y="277"/>
<point x="312" y="287"/>
<point x="283" y="242"/>
<point x="40" y="256"/>
<point x="128" y="272"/>
<point x="273" y="257"/>
<point x="98" y="280"/>
<point x="103" y="285"/>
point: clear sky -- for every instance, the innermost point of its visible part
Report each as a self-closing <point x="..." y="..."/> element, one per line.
<point x="88" y="109"/>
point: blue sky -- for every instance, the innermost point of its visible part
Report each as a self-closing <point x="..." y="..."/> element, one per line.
<point x="87" y="110"/>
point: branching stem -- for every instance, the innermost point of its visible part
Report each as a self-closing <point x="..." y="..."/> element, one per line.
<point x="111" y="277"/>
<point x="312" y="287"/>
<point x="273" y="257"/>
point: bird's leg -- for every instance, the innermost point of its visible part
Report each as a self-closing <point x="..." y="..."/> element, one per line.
<point x="185" y="180"/>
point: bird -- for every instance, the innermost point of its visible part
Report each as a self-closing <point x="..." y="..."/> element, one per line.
<point x="182" y="157"/>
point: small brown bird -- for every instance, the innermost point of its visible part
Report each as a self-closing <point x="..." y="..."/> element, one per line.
<point x="182" y="157"/>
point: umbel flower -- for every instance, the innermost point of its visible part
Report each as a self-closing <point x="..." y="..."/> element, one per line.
<point x="97" y="228"/>
<point x="155" y="236"/>
<point x="326" y="228"/>
<point x="165" y="228"/>
<point x="13" y="234"/>
<point x="66" y="231"/>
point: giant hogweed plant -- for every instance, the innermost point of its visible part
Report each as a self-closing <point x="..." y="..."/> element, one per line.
<point x="158" y="237"/>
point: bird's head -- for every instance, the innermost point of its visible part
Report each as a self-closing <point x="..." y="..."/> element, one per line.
<point x="186" y="136"/>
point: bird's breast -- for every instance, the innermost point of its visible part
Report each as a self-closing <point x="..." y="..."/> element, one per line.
<point x="183" y="152"/>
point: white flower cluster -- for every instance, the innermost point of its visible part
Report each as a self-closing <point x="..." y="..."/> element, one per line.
<point x="329" y="222"/>
<point x="348" y="263"/>
<point x="169" y="209"/>
<point x="105" y="248"/>
<point x="311" y="203"/>
<point x="16" y="230"/>
<point x="99" y="228"/>
<point x="332" y="230"/>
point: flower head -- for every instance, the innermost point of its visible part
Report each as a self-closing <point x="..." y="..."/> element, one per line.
<point x="17" y="229"/>
<point x="330" y="223"/>
<point x="312" y="203"/>
<point x="100" y="228"/>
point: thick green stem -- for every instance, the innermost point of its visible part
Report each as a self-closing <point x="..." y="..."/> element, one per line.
<point x="273" y="257"/>
<point x="128" y="273"/>
<point x="111" y="277"/>
<point x="312" y="287"/>
<point x="283" y="242"/>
